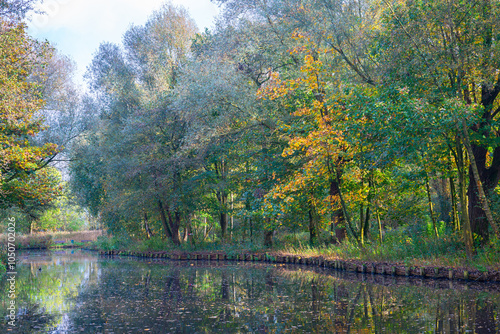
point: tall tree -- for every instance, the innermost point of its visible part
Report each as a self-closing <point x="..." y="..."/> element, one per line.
<point x="446" y="51"/>
<point x="20" y="158"/>
<point x="138" y="135"/>
<point x="16" y="9"/>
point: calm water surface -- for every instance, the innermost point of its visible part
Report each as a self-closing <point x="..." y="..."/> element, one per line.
<point x="79" y="292"/>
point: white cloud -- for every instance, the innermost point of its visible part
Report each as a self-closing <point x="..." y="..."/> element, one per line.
<point x="77" y="27"/>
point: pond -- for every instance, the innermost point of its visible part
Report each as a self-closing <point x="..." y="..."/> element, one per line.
<point x="80" y="292"/>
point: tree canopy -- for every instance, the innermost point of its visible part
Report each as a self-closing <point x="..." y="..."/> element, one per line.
<point x="342" y="119"/>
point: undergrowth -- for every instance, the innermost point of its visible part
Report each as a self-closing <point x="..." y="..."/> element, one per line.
<point x="410" y="246"/>
<point x="30" y="241"/>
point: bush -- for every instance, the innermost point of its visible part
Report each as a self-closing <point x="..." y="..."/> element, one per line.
<point x="490" y="254"/>
<point x="155" y="244"/>
<point x="115" y="242"/>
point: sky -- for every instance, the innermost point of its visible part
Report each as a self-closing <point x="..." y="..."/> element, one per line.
<point x="77" y="27"/>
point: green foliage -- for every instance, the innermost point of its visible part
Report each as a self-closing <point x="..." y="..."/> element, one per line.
<point x="115" y="242"/>
<point x="24" y="182"/>
<point x="65" y="216"/>
<point x="155" y="244"/>
<point x="410" y="245"/>
<point x="3" y="258"/>
<point x="489" y="255"/>
<point x="291" y="117"/>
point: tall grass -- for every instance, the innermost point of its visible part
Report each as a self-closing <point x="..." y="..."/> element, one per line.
<point x="78" y="236"/>
<point x="157" y="244"/>
<point x="31" y="241"/>
<point x="45" y="240"/>
<point x="410" y="246"/>
<point x="124" y="242"/>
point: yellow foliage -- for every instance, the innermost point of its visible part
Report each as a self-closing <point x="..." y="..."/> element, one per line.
<point x="321" y="141"/>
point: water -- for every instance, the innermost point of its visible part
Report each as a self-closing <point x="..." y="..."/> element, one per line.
<point x="78" y="292"/>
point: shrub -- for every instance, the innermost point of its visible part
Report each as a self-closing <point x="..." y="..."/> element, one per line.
<point x="155" y="244"/>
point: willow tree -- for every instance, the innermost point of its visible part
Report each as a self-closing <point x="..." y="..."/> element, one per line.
<point x="229" y="127"/>
<point x="134" y="147"/>
<point x="16" y="9"/>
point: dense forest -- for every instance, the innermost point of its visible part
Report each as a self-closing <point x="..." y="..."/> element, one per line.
<point x="345" y="120"/>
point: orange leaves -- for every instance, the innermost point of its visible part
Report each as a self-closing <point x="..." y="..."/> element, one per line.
<point x="315" y="136"/>
<point x="276" y="88"/>
<point x="22" y="175"/>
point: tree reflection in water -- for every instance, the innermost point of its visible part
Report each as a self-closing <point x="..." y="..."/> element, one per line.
<point x="130" y="296"/>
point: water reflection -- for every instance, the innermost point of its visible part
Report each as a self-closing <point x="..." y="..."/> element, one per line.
<point x="80" y="293"/>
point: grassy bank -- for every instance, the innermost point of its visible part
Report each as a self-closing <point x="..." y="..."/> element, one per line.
<point x="46" y="240"/>
<point x="399" y="248"/>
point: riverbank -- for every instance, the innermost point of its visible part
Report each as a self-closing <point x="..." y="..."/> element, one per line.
<point x="350" y="265"/>
<point x="47" y="240"/>
<point x="412" y="253"/>
<point x="420" y="257"/>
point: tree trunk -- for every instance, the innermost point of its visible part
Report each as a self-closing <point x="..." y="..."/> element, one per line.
<point x="232" y="217"/>
<point x="171" y="227"/>
<point x="205" y="229"/>
<point x="146" y="226"/>
<point x="365" y="221"/>
<point x="268" y="238"/>
<point x="313" y="236"/>
<point x="464" y="213"/>
<point x="338" y="220"/>
<point x="380" y="235"/>
<point x="166" y="227"/>
<point x="223" y="225"/>
<point x="220" y="171"/>
<point x="362" y="223"/>
<point x="444" y="200"/>
<point x="454" y="209"/>
<point x="366" y="229"/>
<point x="377" y="204"/>
<point x="488" y="176"/>
<point x="222" y="199"/>
<point x="431" y="207"/>
<point x="251" y="228"/>
<point x="189" y="229"/>
<point x="347" y="219"/>
<point x="479" y="190"/>
<point x="175" y="224"/>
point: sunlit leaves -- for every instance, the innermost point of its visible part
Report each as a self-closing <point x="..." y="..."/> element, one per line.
<point x="21" y="161"/>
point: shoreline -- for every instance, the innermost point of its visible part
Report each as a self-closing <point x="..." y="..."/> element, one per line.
<point x="347" y="265"/>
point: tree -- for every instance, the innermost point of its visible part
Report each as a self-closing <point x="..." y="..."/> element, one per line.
<point x="16" y="9"/>
<point x="439" y="51"/>
<point x="445" y="51"/>
<point x="136" y="142"/>
<point x="21" y="160"/>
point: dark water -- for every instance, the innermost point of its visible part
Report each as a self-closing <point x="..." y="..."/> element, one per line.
<point x="82" y="293"/>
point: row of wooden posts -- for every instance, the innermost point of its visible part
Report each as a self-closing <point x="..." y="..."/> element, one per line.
<point x="352" y="266"/>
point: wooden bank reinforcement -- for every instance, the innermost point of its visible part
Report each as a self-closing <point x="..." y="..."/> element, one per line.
<point x="341" y="265"/>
